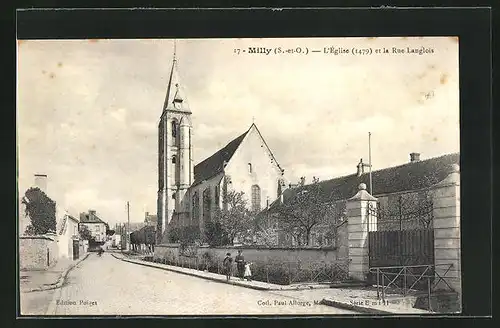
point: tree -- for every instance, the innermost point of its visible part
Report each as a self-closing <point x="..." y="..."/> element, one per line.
<point x="234" y="218"/>
<point x="215" y="234"/>
<point x="265" y="228"/>
<point x="337" y="214"/>
<point x="304" y="211"/>
<point x="41" y="210"/>
<point x="85" y="233"/>
<point x="405" y="211"/>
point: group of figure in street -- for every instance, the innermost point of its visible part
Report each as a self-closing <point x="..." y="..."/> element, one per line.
<point x="243" y="267"/>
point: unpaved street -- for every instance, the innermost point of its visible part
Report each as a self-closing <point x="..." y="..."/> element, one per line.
<point x="108" y="286"/>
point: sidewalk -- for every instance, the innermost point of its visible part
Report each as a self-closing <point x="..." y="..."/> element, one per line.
<point x="258" y="285"/>
<point x="359" y="299"/>
<point x="39" y="280"/>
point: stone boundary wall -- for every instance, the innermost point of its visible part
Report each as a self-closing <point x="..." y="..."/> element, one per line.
<point x="255" y="255"/>
<point x="34" y="251"/>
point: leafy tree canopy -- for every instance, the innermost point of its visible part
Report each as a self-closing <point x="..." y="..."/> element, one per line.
<point x="234" y="219"/>
<point x="41" y="210"/>
<point x="85" y="233"/>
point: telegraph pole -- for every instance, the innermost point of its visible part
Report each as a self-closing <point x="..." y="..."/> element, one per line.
<point x="370" y="160"/>
<point x="128" y="225"/>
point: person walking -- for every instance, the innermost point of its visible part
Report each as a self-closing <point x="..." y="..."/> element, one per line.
<point x="240" y="264"/>
<point x="248" y="272"/>
<point x="226" y="264"/>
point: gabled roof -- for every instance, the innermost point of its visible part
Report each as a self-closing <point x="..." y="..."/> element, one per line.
<point x="269" y="149"/>
<point x="411" y="176"/>
<point x="62" y="222"/>
<point x="214" y="164"/>
<point x="86" y="218"/>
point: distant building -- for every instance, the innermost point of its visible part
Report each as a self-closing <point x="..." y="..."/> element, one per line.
<point x="116" y="240"/>
<point x="96" y="226"/>
<point x="150" y="219"/>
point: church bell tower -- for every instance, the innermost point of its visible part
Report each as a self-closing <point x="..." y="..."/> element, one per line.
<point x="175" y="160"/>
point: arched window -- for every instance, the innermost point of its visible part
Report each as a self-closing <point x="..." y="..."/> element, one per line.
<point x="174" y="128"/>
<point x="249" y="167"/>
<point x="173" y="195"/>
<point x="207" y="204"/>
<point x="174" y="159"/>
<point x="255" y="198"/>
<point x="196" y="207"/>
<point x="217" y="196"/>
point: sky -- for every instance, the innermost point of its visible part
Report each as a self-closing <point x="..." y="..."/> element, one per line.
<point x="88" y="110"/>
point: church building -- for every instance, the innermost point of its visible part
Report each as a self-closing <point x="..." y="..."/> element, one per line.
<point x="188" y="194"/>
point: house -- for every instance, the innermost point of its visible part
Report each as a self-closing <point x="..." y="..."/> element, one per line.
<point x="116" y="240"/>
<point x="188" y="194"/>
<point x="120" y="236"/>
<point x="401" y="191"/>
<point x="68" y="234"/>
<point x="97" y="227"/>
<point x="61" y="241"/>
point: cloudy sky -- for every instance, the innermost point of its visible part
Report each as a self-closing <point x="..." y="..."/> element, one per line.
<point x="88" y="110"/>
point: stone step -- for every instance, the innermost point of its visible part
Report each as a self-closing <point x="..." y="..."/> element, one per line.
<point x="442" y="302"/>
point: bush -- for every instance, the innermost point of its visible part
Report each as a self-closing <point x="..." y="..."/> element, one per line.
<point x="184" y="235"/>
<point x="274" y="273"/>
<point x="282" y="273"/>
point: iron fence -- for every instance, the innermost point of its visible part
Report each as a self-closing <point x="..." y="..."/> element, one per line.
<point x="276" y="272"/>
<point x="404" y="279"/>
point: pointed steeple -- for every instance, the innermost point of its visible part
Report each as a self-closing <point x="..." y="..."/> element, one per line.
<point x="175" y="98"/>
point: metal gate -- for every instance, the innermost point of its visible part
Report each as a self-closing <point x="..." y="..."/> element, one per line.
<point x="402" y="237"/>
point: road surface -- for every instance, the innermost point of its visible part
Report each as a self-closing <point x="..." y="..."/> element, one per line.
<point x="108" y="286"/>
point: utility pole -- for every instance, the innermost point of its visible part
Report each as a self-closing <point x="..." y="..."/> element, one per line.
<point x="370" y="160"/>
<point x="128" y="225"/>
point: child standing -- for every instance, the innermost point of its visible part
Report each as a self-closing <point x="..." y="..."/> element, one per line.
<point x="248" y="272"/>
<point x="226" y="264"/>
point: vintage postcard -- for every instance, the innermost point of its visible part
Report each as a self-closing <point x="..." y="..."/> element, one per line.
<point x="272" y="176"/>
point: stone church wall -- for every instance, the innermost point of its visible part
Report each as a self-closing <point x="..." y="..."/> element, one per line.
<point x="252" y="164"/>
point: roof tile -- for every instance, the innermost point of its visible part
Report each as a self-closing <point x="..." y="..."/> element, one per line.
<point x="214" y="164"/>
<point x="411" y="176"/>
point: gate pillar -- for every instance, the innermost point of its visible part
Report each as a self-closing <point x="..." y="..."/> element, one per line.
<point x="446" y="212"/>
<point x="357" y="230"/>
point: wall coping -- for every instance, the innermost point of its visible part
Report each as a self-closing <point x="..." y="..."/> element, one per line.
<point x="36" y="237"/>
<point x="311" y="248"/>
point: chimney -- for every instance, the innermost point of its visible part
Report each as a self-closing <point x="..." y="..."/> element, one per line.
<point x="414" y="157"/>
<point x="302" y="181"/>
<point x="361" y="167"/>
<point x="91" y="213"/>
<point x="41" y="182"/>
